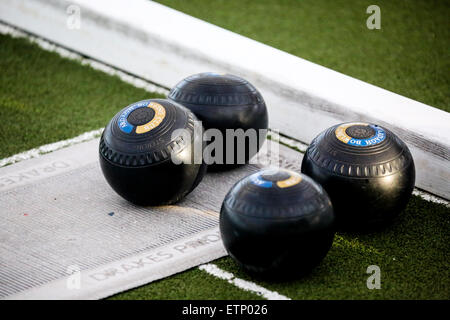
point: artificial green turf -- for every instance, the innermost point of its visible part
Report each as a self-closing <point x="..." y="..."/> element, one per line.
<point x="44" y="98"/>
<point x="409" y="55"/>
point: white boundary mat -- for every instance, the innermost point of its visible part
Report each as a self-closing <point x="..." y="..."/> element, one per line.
<point x="65" y="234"/>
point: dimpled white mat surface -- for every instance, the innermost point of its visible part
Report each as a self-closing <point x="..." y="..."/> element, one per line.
<point x="65" y="234"/>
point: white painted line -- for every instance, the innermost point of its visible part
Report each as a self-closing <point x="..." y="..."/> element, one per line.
<point x="431" y="198"/>
<point x="292" y="143"/>
<point x="36" y="152"/>
<point x="97" y="65"/>
<point x="215" y="271"/>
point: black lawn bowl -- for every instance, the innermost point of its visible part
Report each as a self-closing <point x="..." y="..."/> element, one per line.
<point x="142" y="158"/>
<point x="277" y="224"/>
<point x="225" y="102"/>
<point x="367" y="171"/>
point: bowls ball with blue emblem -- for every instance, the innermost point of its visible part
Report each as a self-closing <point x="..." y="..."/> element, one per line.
<point x="277" y="223"/>
<point x="147" y="152"/>
<point x="367" y="171"/>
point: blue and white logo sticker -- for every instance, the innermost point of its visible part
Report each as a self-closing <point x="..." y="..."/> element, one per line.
<point x="160" y="114"/>
<point x="342" y="135"/>
<point x="260" y="182"/>
<point x="123" y="123"/>
<point x="293" y="179"/>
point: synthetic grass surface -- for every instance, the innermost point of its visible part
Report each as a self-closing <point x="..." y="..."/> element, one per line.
<point x="409" y="55"/>
<point x="44" y="98"/>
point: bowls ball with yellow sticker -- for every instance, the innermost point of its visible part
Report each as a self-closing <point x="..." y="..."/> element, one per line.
<point x="367" y="171"/>
<point x="277" y="223"/>
<point x="143" y="156"/>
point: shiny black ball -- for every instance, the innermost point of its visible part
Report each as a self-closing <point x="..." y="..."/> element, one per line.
<point x="277" y="223"/>
<point x="145" y="158"/>
<point x="225" y="102"/>
<point x="367" y="171"/>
